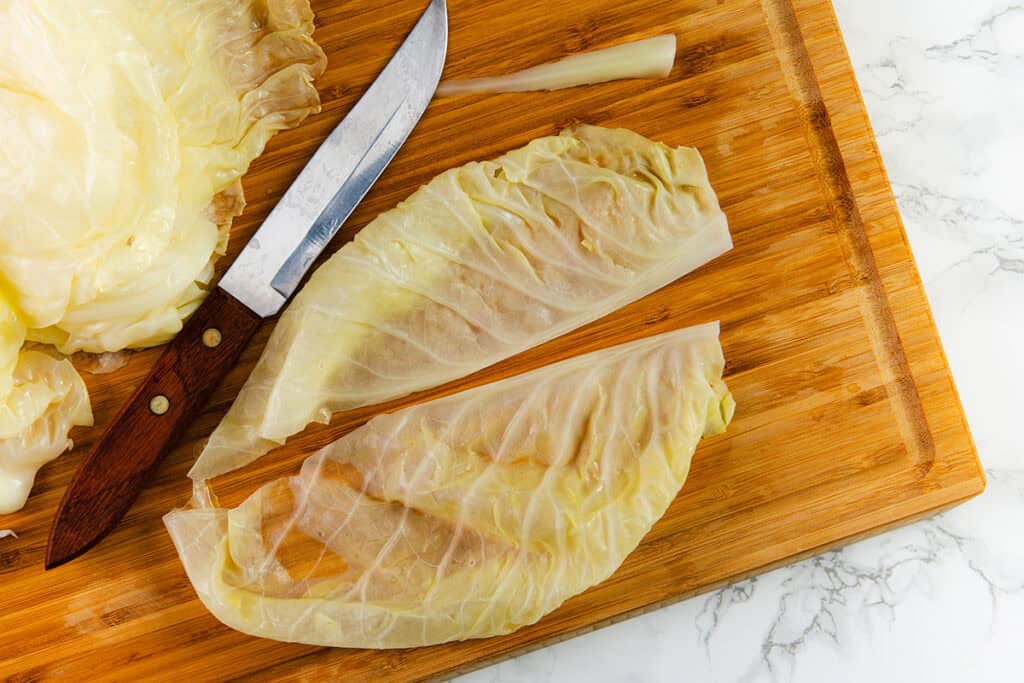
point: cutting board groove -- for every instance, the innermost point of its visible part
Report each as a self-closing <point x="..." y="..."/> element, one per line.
<point x="847" y="423"/>
<point x="800" y="76"/>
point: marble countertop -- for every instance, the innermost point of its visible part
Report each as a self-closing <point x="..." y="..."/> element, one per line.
<point x="942" y="600"/>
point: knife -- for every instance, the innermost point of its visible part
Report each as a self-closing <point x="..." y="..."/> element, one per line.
<point x="258" y="284"/>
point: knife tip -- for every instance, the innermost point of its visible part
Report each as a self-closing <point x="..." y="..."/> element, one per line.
<point x="63" y="547"/>
<point x="56" y="556"/>
<point x="53" y="561"/>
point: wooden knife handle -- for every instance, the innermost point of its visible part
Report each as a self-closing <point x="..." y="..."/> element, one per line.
<point x="153" y="420"/>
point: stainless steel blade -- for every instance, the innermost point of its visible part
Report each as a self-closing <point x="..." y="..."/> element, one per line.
<point x="342" y="170"/>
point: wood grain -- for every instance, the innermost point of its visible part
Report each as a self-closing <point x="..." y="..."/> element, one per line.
<point x="847" y="422"/>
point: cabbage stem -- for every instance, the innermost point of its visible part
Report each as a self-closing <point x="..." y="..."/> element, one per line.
<point x="648" y="58"/>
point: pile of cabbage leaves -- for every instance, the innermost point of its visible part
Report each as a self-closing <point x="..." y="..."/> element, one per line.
<point x="126" y="127"/>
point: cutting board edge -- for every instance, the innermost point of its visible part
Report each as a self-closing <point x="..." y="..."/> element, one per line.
<point x="859" y="187"/>
<point x="709" y="588"/>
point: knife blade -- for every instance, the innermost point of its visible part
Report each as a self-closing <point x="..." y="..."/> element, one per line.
<point x="257" y="285"/>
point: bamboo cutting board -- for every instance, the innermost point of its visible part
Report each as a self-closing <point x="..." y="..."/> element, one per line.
<point x="847" y="422"/>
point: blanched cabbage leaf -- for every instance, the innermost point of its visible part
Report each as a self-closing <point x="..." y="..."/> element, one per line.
<point x="485" y="261"/>
<point x="41" y="399"/>
<point x="46" y="400"/>
<point x="125" y="126"/>
<point x="470" y="515"/>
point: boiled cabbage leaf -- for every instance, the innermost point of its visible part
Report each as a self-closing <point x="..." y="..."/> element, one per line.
<point x="485" y="261"/>
<point x="41" y="399"/>
<point x="468" y="516"/>
<point x="47" y="398"/>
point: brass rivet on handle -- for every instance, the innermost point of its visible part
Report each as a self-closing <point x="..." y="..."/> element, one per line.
<point x="159" y="404"/>
<point x="212" y="338"/>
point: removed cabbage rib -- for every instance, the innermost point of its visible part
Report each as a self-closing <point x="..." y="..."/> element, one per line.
<point x="649" y="58"/>
<point x="468" y="516"/>
<point x="484" y="262"/>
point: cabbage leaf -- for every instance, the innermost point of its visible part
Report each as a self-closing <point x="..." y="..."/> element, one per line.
<point x="47" y="398"/>
<point x="485" y="261"/>
<point x="468" y="516"/>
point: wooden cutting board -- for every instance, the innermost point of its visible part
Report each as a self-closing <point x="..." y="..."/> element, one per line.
<point x="848" y="420"/>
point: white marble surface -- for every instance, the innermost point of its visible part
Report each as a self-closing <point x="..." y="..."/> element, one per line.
<point x="942" y="600"/>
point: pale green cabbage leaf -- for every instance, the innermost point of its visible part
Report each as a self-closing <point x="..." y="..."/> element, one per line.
<point x="468" y="516"/>
<point x="485" y="261"/>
